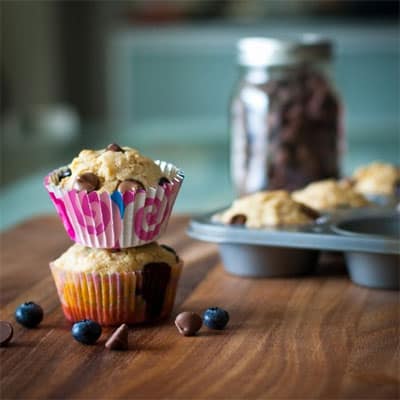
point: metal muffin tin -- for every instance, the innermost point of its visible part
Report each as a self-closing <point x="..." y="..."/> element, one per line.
<point x="369" y="238"/>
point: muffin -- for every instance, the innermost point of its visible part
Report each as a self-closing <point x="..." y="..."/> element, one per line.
<point x="377" y="179"/>
<point x="330" y="195"/>
<point x="114" y="197"/>
<point x="113" y="287"/>
<point x="267" y="208"/>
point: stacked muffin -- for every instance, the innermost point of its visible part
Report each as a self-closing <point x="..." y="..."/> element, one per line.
<point x="115" y="203"/>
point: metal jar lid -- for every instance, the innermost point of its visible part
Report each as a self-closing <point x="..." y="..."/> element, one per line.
<point x="264" y="52"/>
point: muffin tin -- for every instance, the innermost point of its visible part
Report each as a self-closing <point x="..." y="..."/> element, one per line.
<point x="369" y="238"/>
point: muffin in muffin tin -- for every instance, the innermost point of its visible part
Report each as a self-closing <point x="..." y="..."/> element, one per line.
<point x="379" y="182"/>
<point x="330" y="195"/>
<point x="266" y="209"/>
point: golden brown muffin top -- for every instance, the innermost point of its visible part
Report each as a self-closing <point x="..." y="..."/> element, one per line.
<point x="267" y="208"/>
<point x="79" y="258"/>
<point x="376" y="178"/>
<point x="330" y="194"/>
<point x="111" y="167"/>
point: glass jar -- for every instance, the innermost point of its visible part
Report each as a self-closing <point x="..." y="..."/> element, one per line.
<point x="286" y="119"/>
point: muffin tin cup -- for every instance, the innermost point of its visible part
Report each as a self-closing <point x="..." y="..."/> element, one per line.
<point x="113" y="298"/>
<point x="116" y="220"/>
<point x="368" y="237"/>
<point x="267" y="261"/>
<point x="383" y="200"/>
<point x="380" y="271"/>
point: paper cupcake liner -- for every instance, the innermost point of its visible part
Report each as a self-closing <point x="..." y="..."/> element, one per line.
<point x="115" y="298"/>
<point x="116" y="220"/>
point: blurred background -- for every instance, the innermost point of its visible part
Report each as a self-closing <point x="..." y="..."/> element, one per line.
<point x="158" y="75"/>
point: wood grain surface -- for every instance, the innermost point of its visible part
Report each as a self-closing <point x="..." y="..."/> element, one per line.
<point x="309" y="337"/>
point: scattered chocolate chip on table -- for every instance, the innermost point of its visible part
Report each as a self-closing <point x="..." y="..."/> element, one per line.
<point x="6" y="333"/>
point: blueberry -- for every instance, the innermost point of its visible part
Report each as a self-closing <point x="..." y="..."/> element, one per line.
<point x="215" y="318"/>
<point x="29" y="314"/>
<point x="86" y="331"/>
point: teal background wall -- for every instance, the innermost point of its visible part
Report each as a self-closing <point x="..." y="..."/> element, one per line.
<point x="167" y="93"/>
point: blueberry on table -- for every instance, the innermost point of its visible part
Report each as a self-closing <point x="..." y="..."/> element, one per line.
<point x="86" y="331"/>
<point x="29" y="314"/>
<point x="215" y="318"/>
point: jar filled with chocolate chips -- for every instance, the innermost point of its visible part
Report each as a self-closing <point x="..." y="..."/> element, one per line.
<point x="286" y="117"/>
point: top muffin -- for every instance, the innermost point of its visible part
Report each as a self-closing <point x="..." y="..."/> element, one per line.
<point x="330" y="194"/>
<point x="377" y="179"/>
<point x="110" y="169"/>
<point x="267" y="208"/>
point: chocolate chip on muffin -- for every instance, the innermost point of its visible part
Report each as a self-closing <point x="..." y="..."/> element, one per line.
<point x="87" y="182"/>
<point x="238" y="219"/>
<point x="156" y="276"/>
<point x="310" y="212"/>
<point x="114" y="147"/>
<point x="163" y="180"/>
<point x="130" y="184"/>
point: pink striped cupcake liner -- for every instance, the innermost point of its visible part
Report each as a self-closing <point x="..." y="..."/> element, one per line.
<point x="116" y="220"/>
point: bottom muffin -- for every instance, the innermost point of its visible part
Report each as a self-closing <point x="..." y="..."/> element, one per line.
<point x="111" y="287"/>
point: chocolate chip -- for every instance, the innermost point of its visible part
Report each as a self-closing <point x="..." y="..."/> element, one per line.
<point x="238" y="219"/>
<point x="171" y="250"/>
<point x="163" y="180"/>
<point x="87" y="181"/>
<point x="310" y="212"/>
<point x="130" y="184"/>
<point x="119" y="339"/>
<point x="188" y="323"/>
<point x="139" y="283"/>
<point x="114" y="250"/>
<point x="114" y="147"/>
<point x="397" y="188"/>
<point x="64" y="173"/>
<point x="156" y="277"/>
<point x="6" y="333"/>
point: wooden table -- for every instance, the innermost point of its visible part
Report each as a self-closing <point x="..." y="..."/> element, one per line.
<point x="307" y="337"/>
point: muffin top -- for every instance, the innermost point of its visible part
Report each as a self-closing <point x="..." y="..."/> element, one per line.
<point x="79" y="258"/>
<point x="267" y="208"/>
<point x="329" y="195"/>
<point x="377" y="179"/>
<point x="109" y="169"/>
